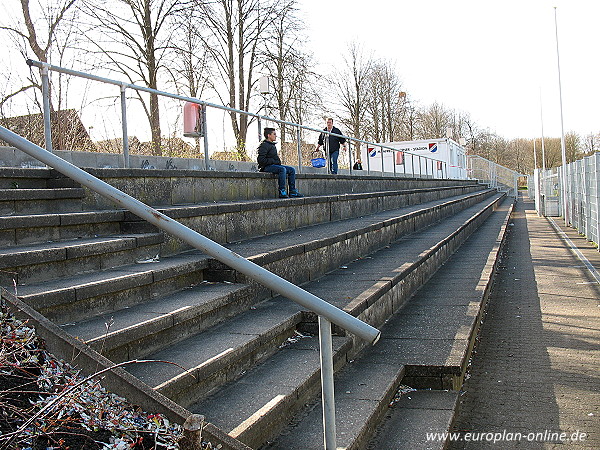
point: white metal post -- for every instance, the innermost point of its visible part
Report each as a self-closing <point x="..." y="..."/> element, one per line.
<point x="327" y="389"/>
<point x="205" y="132"/>
<point x="124" y="126"/>
<point x="46" y="103"/>
<point x="298" y="136"/>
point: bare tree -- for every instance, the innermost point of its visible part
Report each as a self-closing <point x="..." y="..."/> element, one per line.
<point x="351" y="88"/>
<point x="434" y="121"/>
<point x="384" y="103"/>
<point x="573" y="150"/>
<point x="288" y="65"/>
<point x="53" y="36"/>
<point x="189" y="65"/>
<point x="591" y="143"/>
<point x="136" y="35"/>
<point x="232" y="36"/>
<point x="45" y="32"/>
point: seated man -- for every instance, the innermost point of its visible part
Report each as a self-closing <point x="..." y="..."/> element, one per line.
<point x="268" y="161"/>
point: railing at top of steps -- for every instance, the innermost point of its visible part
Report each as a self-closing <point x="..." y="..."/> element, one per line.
<point x="45" y="68"/>
<point x="327" y="313"/>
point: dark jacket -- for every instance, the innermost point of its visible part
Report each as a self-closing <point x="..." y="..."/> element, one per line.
<point x="333" y="141"/>
<point x="267" y="155"/>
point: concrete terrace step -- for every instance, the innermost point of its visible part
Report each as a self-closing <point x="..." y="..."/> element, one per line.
<point x="252" y="435"/>
<point x="79" y="297"/>
<point x="36" y="228"/>
<point x="42" y="262"/>
<point x="221" y="353"/>
<point x="145" y="328"/>
<point x="32" y="201"/>
<point x="415" y="416"/>
<point x="20" y="178"/>
<point x="427" y="344"/>
<point x="290" y="261"/>
<point x="228" y="222"/>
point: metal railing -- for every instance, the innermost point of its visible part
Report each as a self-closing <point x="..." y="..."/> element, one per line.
<point x="494" y="175"/>
<point x="582" y="188"/>
<point x="423" y="164"/>
<point x="327" y="313"/>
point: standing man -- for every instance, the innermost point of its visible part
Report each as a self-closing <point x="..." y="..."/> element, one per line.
<point x="268" y="161"/>
<point x="332" y="145"/>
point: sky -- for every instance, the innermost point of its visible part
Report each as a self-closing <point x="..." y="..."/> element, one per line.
<point x="496" y="60"/>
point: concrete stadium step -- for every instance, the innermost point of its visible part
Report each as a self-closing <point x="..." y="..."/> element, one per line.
<point x="37" y="228"/>
<point x="145" y="328"/>
<point x="252" y="435"/>
<point x="228" y="222"/>
<point x="79" y="297"/>
<point x="289" y="261"/>
<point x="33" y="178"/>
<point x="418" y="420"/>
<point x="42" y="262"/>
<point x="426" y="345"/>
<point x="222" y="353"/>
<point x="32" y="201"/>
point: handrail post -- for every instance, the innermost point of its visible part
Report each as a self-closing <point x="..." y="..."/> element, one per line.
<point x="350" y="157"/>
<point x="260" y="133"/>
<point x="124" y="126"/>
<point x="46" y="103"/>
<point x="299" y="145"/>
<point x="326" y="353"/>
<point x="205" y="132"/>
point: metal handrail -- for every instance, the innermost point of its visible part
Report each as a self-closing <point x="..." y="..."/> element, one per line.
<point x="490" y="173"/>
<point x="327" y="312"/>
<point x="46" y="67"/>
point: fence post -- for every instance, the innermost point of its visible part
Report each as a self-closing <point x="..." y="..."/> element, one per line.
<point x="46" y="103"/>
<point x="124" y="126"/>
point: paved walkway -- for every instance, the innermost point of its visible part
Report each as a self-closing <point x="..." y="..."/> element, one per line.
<point x="536" y="370"/>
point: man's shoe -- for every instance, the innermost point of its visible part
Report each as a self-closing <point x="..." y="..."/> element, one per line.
<point x="295" y="193"/>
<point x="283" y="193"/>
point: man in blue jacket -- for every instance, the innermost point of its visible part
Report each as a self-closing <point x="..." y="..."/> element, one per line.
<point x="332" y="145"/>
<point x="268" y="161"/>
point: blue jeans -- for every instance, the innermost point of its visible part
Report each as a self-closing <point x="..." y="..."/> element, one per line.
<point x="333" y="165"/>
<point x="283" y="172"/>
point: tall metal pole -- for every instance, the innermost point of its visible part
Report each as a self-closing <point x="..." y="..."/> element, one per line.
<point x="562" y="133"/>
<point x="46" y="102"/>
<point x="542" y="121"/>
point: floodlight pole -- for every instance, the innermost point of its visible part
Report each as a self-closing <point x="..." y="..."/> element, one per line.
<point x="562" y="133"/>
